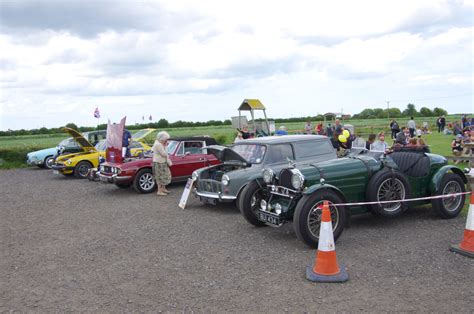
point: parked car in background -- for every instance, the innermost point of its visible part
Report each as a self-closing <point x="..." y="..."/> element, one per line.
<point x="44" y="158"/>
<point x="186" y="153"/>
<point x="79" y="163"/>
<point x="297" y="193"/>
<point x="242" y="165"/>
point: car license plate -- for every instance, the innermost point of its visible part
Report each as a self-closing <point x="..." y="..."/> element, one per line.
<point x="210" y="201"/>
<point x="55" y="172"/>
<point x="104" y="179"/>
<point x="269" y="218"/>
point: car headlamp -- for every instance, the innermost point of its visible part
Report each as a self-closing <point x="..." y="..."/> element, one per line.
<point x="68" y="162"/>
<point x="297" y="179"/>
<point x="225" y="179"/>
<point x="195" y="175"/>
<point x="278" y="209"/>
<point x="267" y="175"/>
<point x="102" y="168"/>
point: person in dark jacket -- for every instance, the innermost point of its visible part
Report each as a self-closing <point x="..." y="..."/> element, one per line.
<point x="395" y="128"/>
<point x="127" y="138"/>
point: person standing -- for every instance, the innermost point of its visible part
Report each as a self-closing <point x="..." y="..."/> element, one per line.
<point x="395" y="128"/>
<point x="126" y="139"/>
<point x="380" y="145"/>
<point x="308" y="128"/>
<point x="411" y="126"/>
<point x="402" y="137"/>
<point x="443" y="123"/>
<point x="161" y="163"/>
<point x="370" y="141"/>
<point x="245" y="132"/>
<point x="338" y="127"/>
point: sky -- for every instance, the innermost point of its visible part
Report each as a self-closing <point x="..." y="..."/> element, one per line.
<point x="198" y="60"/>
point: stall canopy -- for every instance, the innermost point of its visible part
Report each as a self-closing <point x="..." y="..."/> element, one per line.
<point x="252" y="105"/>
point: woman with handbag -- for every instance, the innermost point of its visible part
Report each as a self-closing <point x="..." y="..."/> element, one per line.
<point x="161" y="163"/>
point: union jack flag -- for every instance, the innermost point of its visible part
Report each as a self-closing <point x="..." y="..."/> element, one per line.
<point x="96" y="113"/>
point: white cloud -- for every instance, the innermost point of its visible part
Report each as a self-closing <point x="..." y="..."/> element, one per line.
<point x="187" y="53"/>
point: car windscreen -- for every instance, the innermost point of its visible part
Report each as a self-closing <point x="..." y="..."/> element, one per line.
<point x="252" y="153"/>
<point x="101" y="146"/>
<point x="69" y="142"/>
<point x="139" y="133"/>
<point x="171" y="146"/>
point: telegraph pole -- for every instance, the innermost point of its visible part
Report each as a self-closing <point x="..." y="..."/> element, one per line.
<point x="388" y="109"/>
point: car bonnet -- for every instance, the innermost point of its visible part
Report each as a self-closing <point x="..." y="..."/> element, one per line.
<point x="225" y="153"/>
<point x="81" y="140"/>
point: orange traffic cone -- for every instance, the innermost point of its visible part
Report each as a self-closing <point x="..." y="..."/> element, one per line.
<point x="466" y="247"/>
<point x="325" y="267"/>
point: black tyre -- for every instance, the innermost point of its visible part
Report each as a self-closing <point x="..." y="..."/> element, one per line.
<point x="48" y="162"/>
<point x="144" y="182"/>
<point x="249" y="202"/>
<point x="123" y="185"/>
<point x="450" y="207"/>
<point x="308" y="213"/>
<point x="387" y="185"/>
<point x="82" y="169"/>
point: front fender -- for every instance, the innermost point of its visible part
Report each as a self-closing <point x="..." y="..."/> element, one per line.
<point x="312" y="189"/>
<point x="438" y="176"/>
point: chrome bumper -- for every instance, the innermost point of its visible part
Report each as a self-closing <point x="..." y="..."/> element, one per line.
<point x="113" y="178"/>
<point x="218" y="196"/>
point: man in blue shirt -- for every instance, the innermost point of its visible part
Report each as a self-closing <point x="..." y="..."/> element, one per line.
<point x="127" y="138"/>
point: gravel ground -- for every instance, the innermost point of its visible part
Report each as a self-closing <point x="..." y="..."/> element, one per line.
<point x="75" y="245"/>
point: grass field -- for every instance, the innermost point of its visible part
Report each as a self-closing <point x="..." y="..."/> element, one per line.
<point x="13" y="149"/>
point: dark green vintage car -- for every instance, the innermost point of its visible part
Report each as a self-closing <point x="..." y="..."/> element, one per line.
<point x="295" y="194"/>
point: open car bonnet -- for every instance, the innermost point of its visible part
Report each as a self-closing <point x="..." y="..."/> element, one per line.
<point x="225" y="154"/>
<point x="81" y="140"/>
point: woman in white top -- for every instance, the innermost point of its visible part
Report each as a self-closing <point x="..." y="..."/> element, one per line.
<point x="161" y="163"/>
<point x="380" y="145"/>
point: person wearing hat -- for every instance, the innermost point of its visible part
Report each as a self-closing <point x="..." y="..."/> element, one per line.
<point x="282" y="131"/>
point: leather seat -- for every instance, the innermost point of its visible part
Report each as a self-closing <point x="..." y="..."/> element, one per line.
<point x="413" y="164"/>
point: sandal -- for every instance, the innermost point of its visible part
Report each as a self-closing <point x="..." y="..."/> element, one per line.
<point x="161" y="193"/>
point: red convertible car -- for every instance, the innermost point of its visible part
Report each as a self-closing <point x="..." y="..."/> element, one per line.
<point x="186" y="153"/>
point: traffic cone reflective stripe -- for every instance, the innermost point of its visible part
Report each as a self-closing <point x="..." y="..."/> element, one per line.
<point x="326" y="254"/>
<point x="326" y="268"/>
<point x="466" y="247"/>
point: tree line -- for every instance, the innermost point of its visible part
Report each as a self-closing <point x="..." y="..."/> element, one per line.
<point x="368" y="113"/>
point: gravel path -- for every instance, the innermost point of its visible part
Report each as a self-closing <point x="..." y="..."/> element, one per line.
<point x="75" y="245"/>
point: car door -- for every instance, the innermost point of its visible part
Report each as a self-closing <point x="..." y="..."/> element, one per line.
<point x="188" y="157"/>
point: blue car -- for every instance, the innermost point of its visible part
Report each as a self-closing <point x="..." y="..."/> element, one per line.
<point x="44" y="158"/>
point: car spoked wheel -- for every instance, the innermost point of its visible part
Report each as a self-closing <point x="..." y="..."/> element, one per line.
<point x="451" y="203"/>
<point x="249" y="202"/>
<point x="315" y="215"/>
<point x="144" y="181"/>
<point x="388" y="185"/>
<point x="450" y="207"/>
<point x="391" y="190"/>
<point x="82" y="169"/>
<point x="308" y="214"/>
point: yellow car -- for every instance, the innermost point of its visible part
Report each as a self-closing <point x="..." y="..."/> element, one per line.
<point x="79" y="164"/>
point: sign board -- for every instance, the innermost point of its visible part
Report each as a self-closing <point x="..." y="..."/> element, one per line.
<point x="185" y="195"/>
